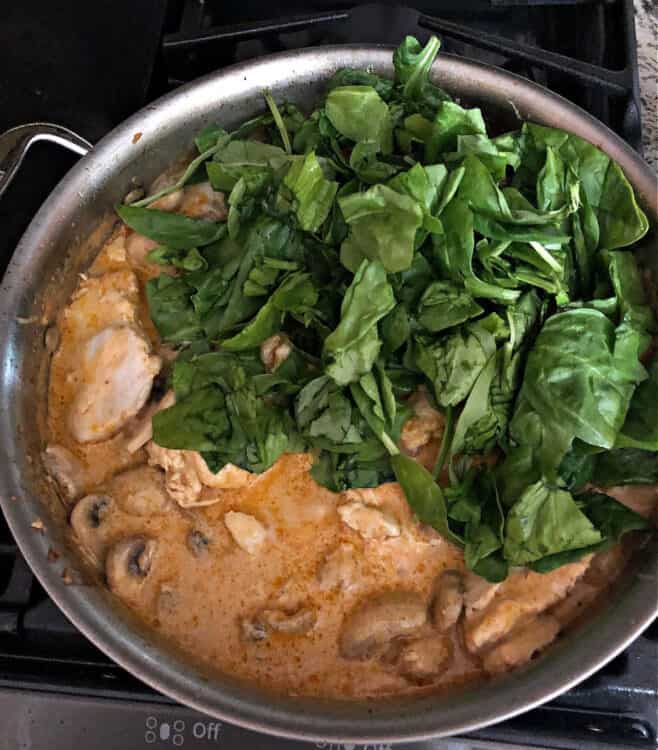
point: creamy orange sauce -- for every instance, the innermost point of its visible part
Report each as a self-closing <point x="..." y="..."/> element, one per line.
<point x="200" y="597"/>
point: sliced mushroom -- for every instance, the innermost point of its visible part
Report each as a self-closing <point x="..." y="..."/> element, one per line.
<point x="449" y="599"/>
<point x="65" y="469"/>
<point x="86" y="520"/>
<point x="369" y="522"/>
<point x="274" y="351"/>
<point x="377" y="621"/>
<point x="128" y="565"/>
<point x="140" y="431"/>
<point x="167" y="600"/>
<point x="295" y="623"/>
<point x="253" y="630"/>
<point x="522" y="645"/>
<point x="258" y="628"/>
<point x="247" y="532"/>
<point x="197" y="543"/>
<point x="422" y="660"/>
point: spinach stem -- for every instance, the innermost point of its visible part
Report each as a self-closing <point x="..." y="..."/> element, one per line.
<point x="278" y="120"/>
<point x="189" y="171"/>
<point x="446" y="442"/>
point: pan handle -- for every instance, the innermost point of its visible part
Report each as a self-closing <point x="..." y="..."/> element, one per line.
<point x="15" y="143"/>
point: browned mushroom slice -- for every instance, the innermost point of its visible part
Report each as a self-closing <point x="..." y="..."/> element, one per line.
<point x="377" y="621"/>
<point x="258" y="628"/>
<point x="423" y="659"/>
<point x="522" y="645"/>
<point x="67" y="470"/>
<point x="128" y="565"/>
<point x="140" y="430"/>
<point x="87" y="519"/>
<point x="295" y="623"/>
<point x="197" y="543"/>
<point x="449" y="599"/>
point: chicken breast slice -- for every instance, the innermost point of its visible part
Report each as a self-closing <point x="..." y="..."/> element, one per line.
<point x="426" y="426"/>
<point x="522" y="595"/>
<point x="100" y="301"/>
<point x="201" y="201"/>
<point x="187" y="474"/>
<point x="522" y="645"/>
<point x="114" y="380"/>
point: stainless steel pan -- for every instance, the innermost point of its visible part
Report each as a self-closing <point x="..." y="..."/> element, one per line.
<point x="62" y="239"/>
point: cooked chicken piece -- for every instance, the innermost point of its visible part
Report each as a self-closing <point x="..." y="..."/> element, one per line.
<point x="140" y="492"/>
<point x="422" y="660"/>
<point x="181" y="478"/>
<point x="186" y="475"/>
<point x="101" y="301"/>
<point x="449" y="599"/>
<point x="580" y="597"/>
<point x="523" y="594"/>
<point x="338" y="569"/>
<point x="229" y="477"/>
<point x="140" y="430"/>
<point x="65" y="469"/>
<point x="169" y="202"/>
<point x="425" y="426"/>
<point x="607" y="565"/>
<point x="478" y="593"/>
<point x="498" y="619"/>
<point x="369" y="522"/>
<point x="138" y="247"/>
<point x="521" y="646"/>
<point x="200" y="201"/>
<point x="275" y="350"/>
<point x="248" y="532"/>
<point x="115" y="378"/>
<point x="538" y="591"/>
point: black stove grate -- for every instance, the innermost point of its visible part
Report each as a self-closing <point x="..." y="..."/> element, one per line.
<point x="582" y="49"/>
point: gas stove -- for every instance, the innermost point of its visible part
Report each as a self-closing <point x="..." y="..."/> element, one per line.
<point x="89" y="71"/>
